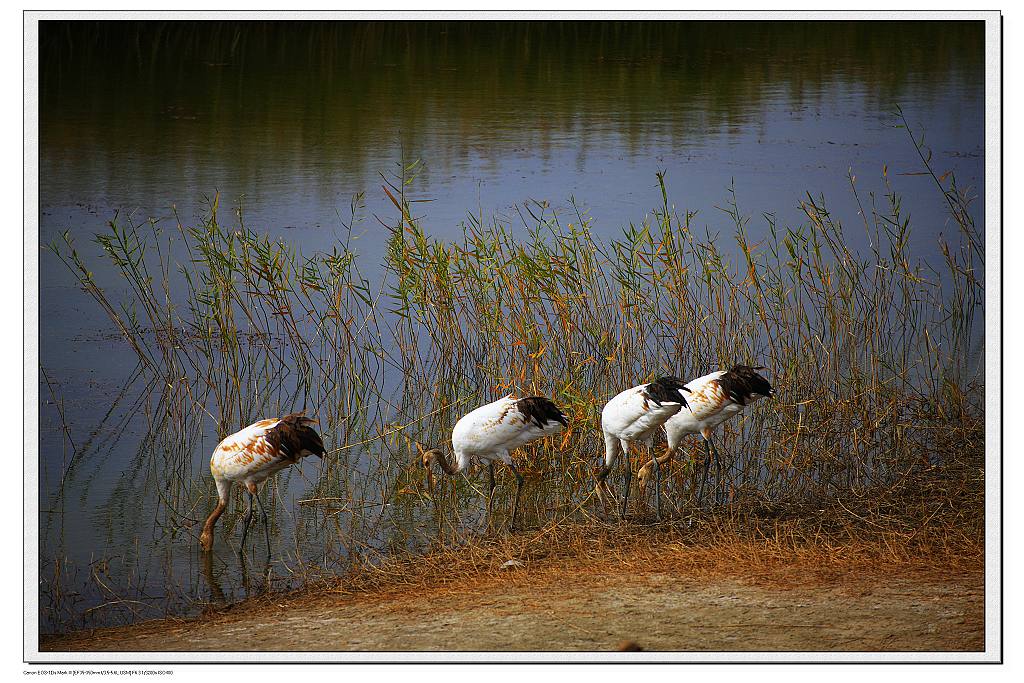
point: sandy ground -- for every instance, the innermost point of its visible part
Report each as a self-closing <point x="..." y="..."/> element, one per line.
<point x="659" y="611"/>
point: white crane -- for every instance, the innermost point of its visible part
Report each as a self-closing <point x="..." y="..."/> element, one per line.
<point x="252" y="456"/>
<point x="492" y="432"/>
<point x="712" y="399"/>
<point x="634" y="416"/>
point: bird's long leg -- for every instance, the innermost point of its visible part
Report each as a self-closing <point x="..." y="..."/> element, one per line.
<point x="490" y="492"/>
<point x="245" y="525"/>
<point x="266" y="520"/>
<point x="515" y="503"/>
<point x="602" y="490"/>
<point x="490" y="485"/>
<point x="718" y="471"/>
<point x="629" y="477"/>
<point x="657" y="482"/>
<point x="707" y="466"/>
<point x="612" y="449"/>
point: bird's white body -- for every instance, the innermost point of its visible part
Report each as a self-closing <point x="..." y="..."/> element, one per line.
<point x="251" y="456"/>
<point x="709" y="406"/>
<point x="631" y="417"/>
<point x="635" y="415"/>
<point x="246" y="457"/>
<point x="492" y="431"/>
<point x="712" y="399"/>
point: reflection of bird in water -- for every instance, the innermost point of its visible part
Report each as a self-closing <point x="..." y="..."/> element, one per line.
<point x="491" y="432"/>
<point x="635" y="415"/>
<point x="712" y="399"/>
<point x="253" y="455"/>
<point x="216" y="592"/>
<point x="262" y="583"/>
<point x="217" y="595"/>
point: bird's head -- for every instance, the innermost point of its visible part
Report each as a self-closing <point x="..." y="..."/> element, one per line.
<point x="766" y="389"/>
<point x="426" y="456"/>
<point x="206" y="540"/>
<point x="756" y="385"/>
<point x="642" y="477"/>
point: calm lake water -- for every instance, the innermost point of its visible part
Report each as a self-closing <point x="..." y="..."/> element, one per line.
<point x="293" y="121"/>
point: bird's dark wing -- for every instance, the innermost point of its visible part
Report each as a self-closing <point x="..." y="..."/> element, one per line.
<point x="541" y="411"/>
<point x="666" y="390"/>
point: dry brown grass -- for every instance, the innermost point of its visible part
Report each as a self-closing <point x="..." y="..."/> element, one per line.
<point x="778" y="553"/>
<point x="926" y="525"/>
<point x="930" y="519"/>
<point x="928" y="528"/>
<point x="790" y="550"/>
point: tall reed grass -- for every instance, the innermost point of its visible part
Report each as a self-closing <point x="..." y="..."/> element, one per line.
<point x="874" y="354"/>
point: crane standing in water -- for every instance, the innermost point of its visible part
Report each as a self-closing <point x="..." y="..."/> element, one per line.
<point x="252" y="456"/>
<point x="712" y="399"/>
<point x="492" y="432"/>
<point x="635" y="415"/>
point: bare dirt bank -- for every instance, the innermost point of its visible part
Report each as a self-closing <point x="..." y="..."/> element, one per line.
<point x="808" y="601"/>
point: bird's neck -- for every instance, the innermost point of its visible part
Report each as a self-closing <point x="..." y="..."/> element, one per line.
<point x="217" y="512"/>
<point x="207" y="535"/>
<point x="446" y="464"/>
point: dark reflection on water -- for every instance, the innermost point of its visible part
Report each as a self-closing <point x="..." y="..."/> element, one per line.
<point x="298" y="117"/>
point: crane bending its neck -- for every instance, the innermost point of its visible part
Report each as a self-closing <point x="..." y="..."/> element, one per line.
<point x="206" y="538"/>
<point x="427" y="457"/>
